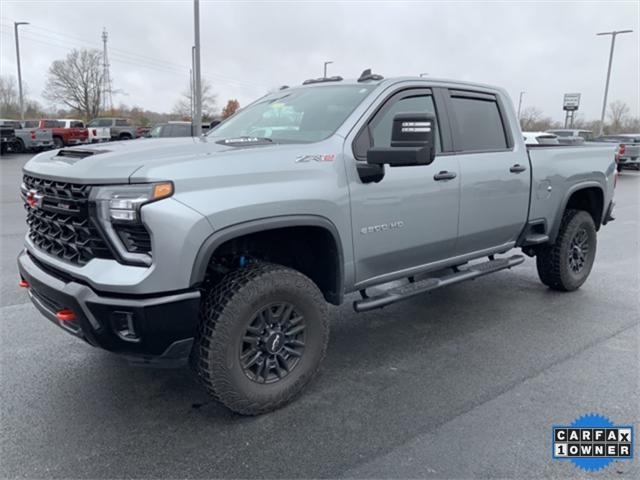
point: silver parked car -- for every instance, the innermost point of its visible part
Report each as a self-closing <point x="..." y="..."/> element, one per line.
<point x="571" y="136"/>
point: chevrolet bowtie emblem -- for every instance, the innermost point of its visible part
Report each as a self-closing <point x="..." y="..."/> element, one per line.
<point x="34" y="199"/>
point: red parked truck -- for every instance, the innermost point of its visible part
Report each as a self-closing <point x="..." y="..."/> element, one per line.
<point x="62" y="136"/>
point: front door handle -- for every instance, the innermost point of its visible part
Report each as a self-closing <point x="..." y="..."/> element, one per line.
<point x="444" y="175"/>
<point x="517" y="168"/>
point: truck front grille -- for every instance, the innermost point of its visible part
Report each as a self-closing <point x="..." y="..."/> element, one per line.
<point x="59" y="221"/>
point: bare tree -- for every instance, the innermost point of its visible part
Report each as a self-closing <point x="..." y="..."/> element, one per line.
<point x="182" y="107"/>
<point x="617" y="113"/>
<point x="232" y="107"/>
<point x="76" y="82"/>
<point x="531" y="120"/>
<point x="9" y="104"/>
<point x="631" y="125"/>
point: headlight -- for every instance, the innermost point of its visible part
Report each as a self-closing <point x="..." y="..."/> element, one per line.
<point x="117" y="209"/>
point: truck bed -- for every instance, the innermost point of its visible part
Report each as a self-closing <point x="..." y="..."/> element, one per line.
<point x="554" y="177"/>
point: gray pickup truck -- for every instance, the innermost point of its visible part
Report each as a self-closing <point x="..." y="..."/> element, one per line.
<point x="225" y="249"/>
<point x="120" y="128"/>
<point x="28" y="139"/>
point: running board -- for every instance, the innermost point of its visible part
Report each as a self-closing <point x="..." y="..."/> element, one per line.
<point x="412" y="289"/>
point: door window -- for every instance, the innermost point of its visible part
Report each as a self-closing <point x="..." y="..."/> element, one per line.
<point x="480" y="125"/>
<point x="381" y="127"/>
<point x="378" y="132"/>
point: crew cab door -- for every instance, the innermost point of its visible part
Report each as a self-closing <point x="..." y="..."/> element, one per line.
<point x="495" y="171"/>
<point x="406" y="217"/>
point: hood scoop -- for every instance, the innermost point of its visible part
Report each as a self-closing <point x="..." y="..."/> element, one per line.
<point x="78" y="153"/>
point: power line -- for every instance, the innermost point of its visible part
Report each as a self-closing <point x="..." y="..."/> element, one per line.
<point x="122" y="56"/>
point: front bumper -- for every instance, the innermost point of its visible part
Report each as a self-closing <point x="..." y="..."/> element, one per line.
<point x="146" y="329"/>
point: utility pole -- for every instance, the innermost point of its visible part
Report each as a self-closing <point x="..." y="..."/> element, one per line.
<point x="197" y="122"/>
<point x="192" y="84"/>
<point x="520" y="105"/>
<point x="107" y="99"/>
<point x="15" y="28"/>
<point x="325" y="68"/>
<point x="606" y="86"/>
<point x="191" y="95"/>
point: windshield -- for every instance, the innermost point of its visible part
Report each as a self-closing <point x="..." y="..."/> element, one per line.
<point x="155" y="131"/>
<point x="299" y="115"/>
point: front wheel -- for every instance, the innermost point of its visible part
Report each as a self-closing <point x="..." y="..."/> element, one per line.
<point x="567" y="263"/>
<point x="263" y="334"/>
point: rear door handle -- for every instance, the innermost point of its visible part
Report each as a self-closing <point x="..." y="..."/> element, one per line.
<point x="444" y="175"/>
<point x="517" y="168"/>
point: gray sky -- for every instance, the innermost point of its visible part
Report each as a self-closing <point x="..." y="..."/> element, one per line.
<point x="544" y="48"/>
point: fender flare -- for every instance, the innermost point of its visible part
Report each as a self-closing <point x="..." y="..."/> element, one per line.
<point x="575" y="188"/>
<point x="209" y="246"/>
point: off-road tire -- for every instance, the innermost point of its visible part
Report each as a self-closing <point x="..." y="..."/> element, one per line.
<point x="227" y="309"/>
<point x="19" y="146"/>
<point x="552" y="261"/>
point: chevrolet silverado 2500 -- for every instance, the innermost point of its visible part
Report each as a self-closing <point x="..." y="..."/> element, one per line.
<point x="225" y="249"/>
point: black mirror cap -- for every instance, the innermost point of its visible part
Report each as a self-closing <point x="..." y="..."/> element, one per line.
<point x="413" y="130"/>
<point x="401" y="156"/>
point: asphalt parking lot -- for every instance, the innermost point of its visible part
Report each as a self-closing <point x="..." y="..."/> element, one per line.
<point x="464" y="382"/>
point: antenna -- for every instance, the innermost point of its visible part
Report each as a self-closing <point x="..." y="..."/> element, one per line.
<point x="107" y="99"/>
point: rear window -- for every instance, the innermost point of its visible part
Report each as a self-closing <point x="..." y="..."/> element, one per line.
<point x="77" y="125"/>
<point x="479" y="124"/>
<point x="53" y="124"/>
<point x="122" y="123"/>
<point x="11" y="124"/>
<point x="31" y="124"/>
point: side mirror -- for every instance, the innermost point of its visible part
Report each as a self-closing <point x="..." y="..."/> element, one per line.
<point x="412" y="142"/>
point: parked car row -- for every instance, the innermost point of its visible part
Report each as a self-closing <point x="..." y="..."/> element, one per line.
<point x="36" y="135"/>
<point x="177" y="129"/>
<point x="41" y="134"/>
<point x="626" y="150"/>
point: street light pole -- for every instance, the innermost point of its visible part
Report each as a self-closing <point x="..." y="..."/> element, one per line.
<point x="325" y="68"/>
<point x="520" y="105"/>
<point x="606" y="86"/>
<point x="15" y="28"/>
<point x="197" y="121"/>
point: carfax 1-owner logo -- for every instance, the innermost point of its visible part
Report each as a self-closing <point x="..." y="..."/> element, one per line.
<point x="592" y="442"/>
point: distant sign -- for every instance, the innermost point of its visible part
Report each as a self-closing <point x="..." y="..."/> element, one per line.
<point x="571" y="101"/>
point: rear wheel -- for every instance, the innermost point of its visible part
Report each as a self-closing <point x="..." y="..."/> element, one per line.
<point x="124" y="136"/>
<point x="57" y="142"/>
<point x="19" y="146"/>
<point x="263" y="335"/>
<point x="567" y="263"/>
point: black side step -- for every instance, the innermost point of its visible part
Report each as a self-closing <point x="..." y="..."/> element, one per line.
<point x="409" y="290"/>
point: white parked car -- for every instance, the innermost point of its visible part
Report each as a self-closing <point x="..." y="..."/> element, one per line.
<point x="540" y="138"/>
<point x="96" y="134"/>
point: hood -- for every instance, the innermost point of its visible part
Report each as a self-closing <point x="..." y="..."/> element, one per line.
<point x="116" y="162"/>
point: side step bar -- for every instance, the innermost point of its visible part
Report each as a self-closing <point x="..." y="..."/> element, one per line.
<point x="409" y="290"/>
